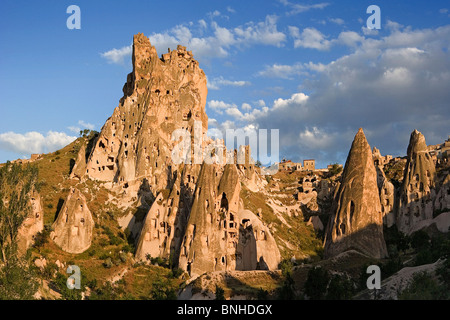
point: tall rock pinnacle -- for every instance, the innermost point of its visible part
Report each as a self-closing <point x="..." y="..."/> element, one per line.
<point x="160" y="96"/>
<point x="417" y="190"/>
<point x="357" y="221"/>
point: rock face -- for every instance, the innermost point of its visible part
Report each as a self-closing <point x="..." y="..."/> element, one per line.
<point x="220" y="235"/>
<point x="74" y="225"/>
<point x="194" y="216"/>
<point x="442" y="201"/>
<point x="32" y="225"/>
<point x="357" y="221"/>
<point x="160" y="95"/>
<point x="418" y="187"/>
<point x="386" y="191"/>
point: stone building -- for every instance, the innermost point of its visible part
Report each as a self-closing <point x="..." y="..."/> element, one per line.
<point x="309" y="164"/>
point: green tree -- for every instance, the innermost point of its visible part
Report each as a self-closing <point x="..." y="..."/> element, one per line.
<point x="340" y="288"/>
<point x="220" y="293"/>
<point x="17" y="280"/>
<point x="162" y="290"/>
<point x="424" y="287"/>
<point x="316" y="283"/>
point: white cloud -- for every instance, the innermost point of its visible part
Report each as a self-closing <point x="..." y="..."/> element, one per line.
<point x="350" y="38"/>
<point x="388" y="85"/>
<point x="81" y="125"/>
<point x="118" y="56"/>
<point x="202" y="23"/>
<point x="282" y="71"/>
<point x="217" y="83"/>
<point x="338" y="21"/>
<point x="231" y="10"/>
<point x="296" y="8"/>
<point x="218" y="106"/>
<point x="315" y="137"/>
<point x="443" y="10"/>
<point x="218" y="44"/>
<point x="311" y="38"/>
<point x="34" y="142"/>
<point x="246" y="107"/>
<point x="296" y="99"/>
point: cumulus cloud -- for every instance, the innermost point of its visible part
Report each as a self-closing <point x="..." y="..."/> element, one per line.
<point x="118" y="56"/>
<point x="296" y="8"/>
<point x="310" y="38"/>
<point x="217" y="83"/>
<point x="282" y="71"/>
<point x="388" y="85"/>
<point x="220" y="40"/>
<point x="337" y="21"/>
<point x="34" y="142"/>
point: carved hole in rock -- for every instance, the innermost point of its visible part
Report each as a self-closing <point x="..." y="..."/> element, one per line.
<point x="352" y="210"/>
<point x="223" y="260"/>
<point x="387" y="202"/>
<point x="421" y="187"/>
<point x="101" y="145"/>
<point x="385" y="191"/>
<point x="428" y="174"/>
<point x="126" y="153"/>
<point x="338" y="232"/>
<point x="125" y="185"/>
<point x="342" y="226"/>
<point x="224" y="202"/>
<point x="82" y="220"/>
<point x="417" y="177"/>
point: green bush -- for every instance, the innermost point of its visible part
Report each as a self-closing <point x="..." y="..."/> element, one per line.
<point x="340" y="288"/>
<point x="316" y="283"/>
<point x="424" y="287"/>
<point x="108" y="263"/>
<point x="220" y="293"/>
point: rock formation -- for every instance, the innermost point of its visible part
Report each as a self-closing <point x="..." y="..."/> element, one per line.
<point x="442" y="201"/>
<point x="417" y="190"/>
<point x="74" y="225"/>
<point x="357" y="222"/>
<point x="32" y="225"/>
<point x="160" y="96"/>
<point x="220" y="235"/>
<point x="386" y="191"/>
<point x="194" y="213"/>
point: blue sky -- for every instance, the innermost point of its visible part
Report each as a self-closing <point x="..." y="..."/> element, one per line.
<point x="310" y="69"/>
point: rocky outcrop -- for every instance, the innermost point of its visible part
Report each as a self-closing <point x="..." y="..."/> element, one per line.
<point x="160" y="96"/>
<point x="442" y="200"/>
<point x="32" y="225"/>
<point x="356" y="222"/>
<point x="72" y="230"/>
<point x="221" y="235"/>
<point x="418" y="188"/>
<point x="386" y="191"/>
